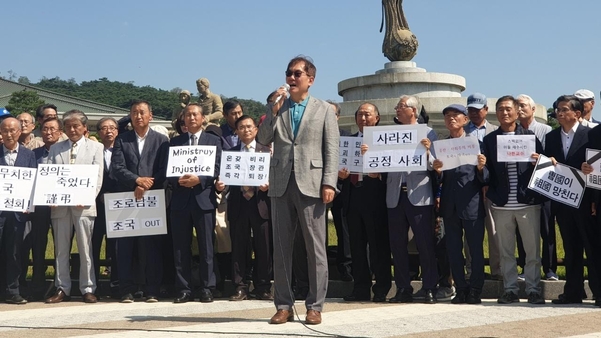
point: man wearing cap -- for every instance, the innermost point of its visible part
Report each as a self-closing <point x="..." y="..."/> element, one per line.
<point x="479" y="126"/>
<point x="514" y="206"/>
<point x="527" y="107"/>
<point x="462" y="208"/>
<point x="588" y="103"/>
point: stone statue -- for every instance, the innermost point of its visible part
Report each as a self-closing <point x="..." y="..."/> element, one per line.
<point x="184" y="100"/>
<point x="399" y="43"/>
<point x="212" y="107"/>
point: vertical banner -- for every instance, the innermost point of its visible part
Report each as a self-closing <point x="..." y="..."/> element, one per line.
<point x="593" y="157"/>
<point x="17" y="188"/>
<point x="244" y="168"/>
<point x="66" y="184"/>
<point x="395" y="148"/>
<point x="128" y="217"/>
<point x="350" y="154"/>
<point x="193" y="160"/>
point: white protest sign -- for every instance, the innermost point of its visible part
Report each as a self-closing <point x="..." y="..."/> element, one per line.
<point x="593" y="157"/>
<point x="455" y="152"/>
<point x="194" y="160"/>
<point x="17" y="188"/>
<point x="350" y="154"/>
<point x="128" y="217"/>
<point x="66" y="184"/>
<point x="515" y="148"/>
<point x="560" y="182"/>
<point x="394" y="148"/>
<point x="244" y="168"/>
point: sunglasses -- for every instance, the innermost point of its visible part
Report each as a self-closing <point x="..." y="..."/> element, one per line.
<point x="296" y="73"/>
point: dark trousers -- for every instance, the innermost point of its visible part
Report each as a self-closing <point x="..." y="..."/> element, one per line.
<point x="110" y="249"/>
<point x="300" y="269"/>
<point x="419" y="218"/>
<point x="578" y="232"/>
<point x="152" y="265"/>
<point x="240" y="233"/>
<point x="183" y="221"/>
<point x="370" y="249"/>
<point x="455" y="228"/>
<point x="547" y="234"/>
<point x="11" y="240"/>
<point x="343" y="247"/>
<point x="36" y="242"/>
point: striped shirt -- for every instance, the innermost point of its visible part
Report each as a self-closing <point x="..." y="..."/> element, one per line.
<point x="512" y="178"/>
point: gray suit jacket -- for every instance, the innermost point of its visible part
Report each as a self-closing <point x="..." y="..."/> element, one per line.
<point x="313" y="155"/>
<point x="419" y="183"/>
<point x="90" y="153"/>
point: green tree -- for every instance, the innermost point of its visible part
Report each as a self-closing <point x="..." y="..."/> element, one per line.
<point x="551" y="121"/>
<point x="24" y="101"/>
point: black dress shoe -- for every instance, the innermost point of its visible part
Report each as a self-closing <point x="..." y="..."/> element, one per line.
<point x="402" y="296"/>
<point x="353" y="297"/>
<point x="562" y="300"/>
<point x="16" y="299"/>
<point x="128" y="298"/>
<point x="206" y="296"/>
<point x="239" y="295"/>
<point x="460" y="297"/>
<point x="184" y="297"/>
<point x="264" y="295"/>
<point x="430" y="297"/>
<point x="379" y="298"/>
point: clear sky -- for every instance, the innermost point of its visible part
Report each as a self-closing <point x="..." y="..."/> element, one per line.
<point x="543" y="48"/>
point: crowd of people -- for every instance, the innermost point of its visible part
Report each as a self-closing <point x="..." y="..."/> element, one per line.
<point x="278" y="231"/>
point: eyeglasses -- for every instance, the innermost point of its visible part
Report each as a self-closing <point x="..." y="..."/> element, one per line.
<point x="49" y="130"/>
<point x="296" y="73"/>
<point x="563" y="110"/>
<point x="401" y="106"/>
<point x="249" y="127"/>
<point x="25" y="122"/>
<point x="108" y="128"/>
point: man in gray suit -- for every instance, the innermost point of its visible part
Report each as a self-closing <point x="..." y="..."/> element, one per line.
<point x="76" y="150"/>
<point x="302" y="179"/>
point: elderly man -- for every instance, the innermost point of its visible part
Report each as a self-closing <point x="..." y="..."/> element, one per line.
<point x="76" y="150"/>
<point x="462" y="208"/>
<point x="588" y="103"/>
<point x="514" y="206"/>
<point x="211" y="104"/>
<point x="365" y="210"/>
<point x="12" y="224"/>
<point x="27" y="137"/>
<point x="138" y="163"/>
<point x="37" y="239"/>
<point x="193" y="206"/>
<point x="527" y="108"/>
<point x="302" y="180"/>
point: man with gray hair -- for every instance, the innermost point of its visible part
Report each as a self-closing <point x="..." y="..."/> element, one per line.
<point x="76" y="150"/>
<point x="211" y="104"/>
<point x="587" y="98"/>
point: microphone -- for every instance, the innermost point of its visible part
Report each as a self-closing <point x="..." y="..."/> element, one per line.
<point x="287" y="87"/>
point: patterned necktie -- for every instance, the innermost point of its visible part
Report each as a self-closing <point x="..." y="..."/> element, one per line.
<point x="193" y="140"/>
<point x="248" y="192"/>
<point x="73" y="154"/>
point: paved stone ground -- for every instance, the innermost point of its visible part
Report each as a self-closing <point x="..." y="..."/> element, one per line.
<point x="250" y="319"/>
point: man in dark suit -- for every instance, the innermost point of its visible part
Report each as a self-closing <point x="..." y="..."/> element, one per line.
<point x="302" y="181"/>
<point x="138" y="163"/>
<point x="578" y="228"/>
<point x="232" y="110"/>
<point x="108" y="130"/>
<point x="193" y="205"/>
<point x="12" y="224"/>
<point x="249" y="212"/>
<point x="514" y="206"/>
<point x="462" y="208"/>
<point x="365" y="211"/>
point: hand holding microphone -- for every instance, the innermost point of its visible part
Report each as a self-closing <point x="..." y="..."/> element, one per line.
<point x="277" y="104"/>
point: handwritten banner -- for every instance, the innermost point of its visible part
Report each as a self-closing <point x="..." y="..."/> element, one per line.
<point x="455" y="152"/>
<point x="593" y="157"/>
<point x="560" y="182"/>
<point x="244" y="168"/>
<point x="17" y="188"/>
<point x="515" y="148"/>
<point x="66" y="184"/>
<point x="193" y="160"/>
<point x="395" y="148"/>
<point x="128" y="217"/>
<point x="350" y="154"/>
